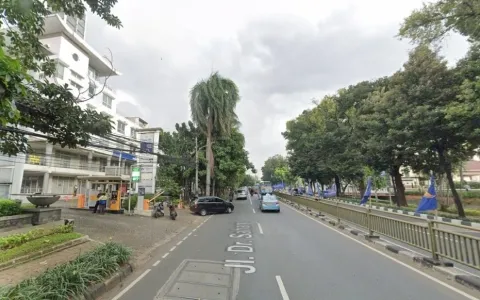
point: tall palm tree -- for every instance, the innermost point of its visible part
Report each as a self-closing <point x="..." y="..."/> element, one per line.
<point x="212" y="104"/>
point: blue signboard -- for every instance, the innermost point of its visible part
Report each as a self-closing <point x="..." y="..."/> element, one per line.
<point x="146" y="147"/>
<point x="125" y="156"/>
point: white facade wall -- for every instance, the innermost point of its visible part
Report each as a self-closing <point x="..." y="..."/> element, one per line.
<point x="51" y="169"/>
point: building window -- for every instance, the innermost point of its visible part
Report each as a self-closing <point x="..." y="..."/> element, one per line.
<point x="133" y="133"/>
<point x="31" y="184"/>
<point x="76" y="75"/>
<point x="107" y="101"/>
<point x="62" y="160"/>
<point x="93" y="74"/>
<point x="77" y="25"/>
<point x="75" y="85"/>
<point x="121" y="127"/>
<point x="63" y="185"/>
<point x="91" y="90"/>
<point x="60" y="71"/>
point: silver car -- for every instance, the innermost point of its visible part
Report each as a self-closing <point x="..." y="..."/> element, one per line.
<point x="240" y="195"/>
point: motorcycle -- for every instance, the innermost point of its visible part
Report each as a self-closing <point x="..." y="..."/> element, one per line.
<point x="173" y="212"/>
<point x="158" y="210"/>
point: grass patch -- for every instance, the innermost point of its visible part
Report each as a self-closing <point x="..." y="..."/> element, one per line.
<point x="14" y="240"/>
<point x="37" y="244"/>
<point x="70" y="280"/>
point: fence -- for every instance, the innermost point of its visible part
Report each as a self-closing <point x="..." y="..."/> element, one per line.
<point x="455" y="246"/>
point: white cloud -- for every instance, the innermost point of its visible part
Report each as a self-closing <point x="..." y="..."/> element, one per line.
<point x="280" y="53"/>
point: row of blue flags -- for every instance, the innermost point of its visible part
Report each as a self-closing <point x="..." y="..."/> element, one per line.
<point x="428" y="201"/>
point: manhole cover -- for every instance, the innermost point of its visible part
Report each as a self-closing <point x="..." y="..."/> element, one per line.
<point x="201" y="280"/>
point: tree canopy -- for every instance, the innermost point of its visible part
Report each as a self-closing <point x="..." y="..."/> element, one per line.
<point x="42" y="105"/>
<point x="424" y="117"/>
<point x="178" y="172"/>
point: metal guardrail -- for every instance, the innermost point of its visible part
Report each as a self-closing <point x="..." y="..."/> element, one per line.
<point x="455" y="246"/>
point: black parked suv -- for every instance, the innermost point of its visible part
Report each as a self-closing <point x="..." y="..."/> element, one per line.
<point x="209" y="204"/>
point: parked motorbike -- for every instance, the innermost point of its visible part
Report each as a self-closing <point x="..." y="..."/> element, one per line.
<point x="158" y="210"/>
<point x="173" y="212"/>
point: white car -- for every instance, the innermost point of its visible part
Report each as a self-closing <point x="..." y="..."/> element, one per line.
<point x="240" y="194"/>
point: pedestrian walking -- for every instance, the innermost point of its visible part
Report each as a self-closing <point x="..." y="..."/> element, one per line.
<point x="102" y="205"/>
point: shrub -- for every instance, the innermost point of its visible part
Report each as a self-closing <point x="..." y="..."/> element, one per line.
<point x="15" y="240"/>
<point x="70" y="280"/>
<point x="133" y="202"/>
<point x="9" y="208"/>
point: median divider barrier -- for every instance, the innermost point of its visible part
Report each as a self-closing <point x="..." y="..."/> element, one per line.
<point x="441" y="243"/>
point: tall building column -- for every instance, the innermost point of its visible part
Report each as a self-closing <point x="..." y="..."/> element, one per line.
<point x="49" y="154"/>
<point x="46" y="181"/>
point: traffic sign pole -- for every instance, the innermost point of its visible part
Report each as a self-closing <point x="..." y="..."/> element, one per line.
<point x="134" y="177"/>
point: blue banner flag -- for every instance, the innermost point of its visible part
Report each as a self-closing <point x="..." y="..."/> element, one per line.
<point x="429" y="199"/>
<point x="331" y="192"/>
<point x="368" y="191"/>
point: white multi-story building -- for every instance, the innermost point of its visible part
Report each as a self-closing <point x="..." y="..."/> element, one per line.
<point x="50" y="169"/>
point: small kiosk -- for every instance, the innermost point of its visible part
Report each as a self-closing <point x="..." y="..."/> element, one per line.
<point x="115" y="187"/>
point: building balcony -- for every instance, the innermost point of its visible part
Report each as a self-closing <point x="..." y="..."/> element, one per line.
<point x="45" y="163"/>
<point x="117" y="171"/>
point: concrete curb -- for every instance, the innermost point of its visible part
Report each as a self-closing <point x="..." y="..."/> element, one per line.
<point x="44" y="252"/>
<point x="100" y="288"/>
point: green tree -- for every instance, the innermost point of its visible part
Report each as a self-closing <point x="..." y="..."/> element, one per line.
<point x="42" y="105"/>
<point x="231" y="161"/>
<point x="269" y="166"/>
<point x="212" y="103"/>
<point x="248" y="180"/>
<point x="432" y="90"/>
<point x="434" y="20"/>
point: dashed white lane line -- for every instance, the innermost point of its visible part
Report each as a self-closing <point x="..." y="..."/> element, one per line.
<point x="179" y="243"/>
<point x="173" y="248"/>
<point x="189" y="234"/>
<point x="454" y="289"/>
<point x="166" y="254"/>
<point x="156" y="263"/>
<point x="119" y="295"/>
<point x="260" y="228"/>
<point x="194" y="230"/>
<point x="283" y="291"/>
<point x="185" y="238"/>
<point x="253" y="210"/>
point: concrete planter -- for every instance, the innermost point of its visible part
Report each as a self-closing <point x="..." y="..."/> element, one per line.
<point x="44" y="215"/>
<point x="16" y="221"/>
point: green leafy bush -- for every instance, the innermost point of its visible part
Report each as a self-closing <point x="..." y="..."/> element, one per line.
<point x="9" y="208"/>
<point x="15" y="240"/>
<point x="133" y="202"/>
<point x="70" y="280"/>
<point x="37" y="245"/>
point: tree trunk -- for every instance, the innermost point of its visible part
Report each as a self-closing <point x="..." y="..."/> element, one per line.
<point x="448" y="171"/>
<point x="213" y="188"/>
<point x="399" y="187"/>
<point x="337" y="184"/>
<point x="361" y="188"/>
<point x="209" y="163"/>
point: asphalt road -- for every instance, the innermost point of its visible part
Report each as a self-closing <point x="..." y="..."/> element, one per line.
<point x="293" y="257"/>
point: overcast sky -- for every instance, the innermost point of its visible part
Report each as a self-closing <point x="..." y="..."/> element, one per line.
<point x="281" y="54"/>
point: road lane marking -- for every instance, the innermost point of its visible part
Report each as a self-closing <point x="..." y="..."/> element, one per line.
<point x="173" y="248"/>
<point x="260" y="228"/>
<point x="184" y="238"/>
<point x="283" y="291"/>
<point x="156" y="263"/>
<point x="194" y="230"/>
<point x="253" y="210"/>
<point x="166" y="254"/>
<point x="189" y="234"/>
<point x="179" y="243"/>
<point x="119" y="295"/>
<point x="454" y="289"/>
